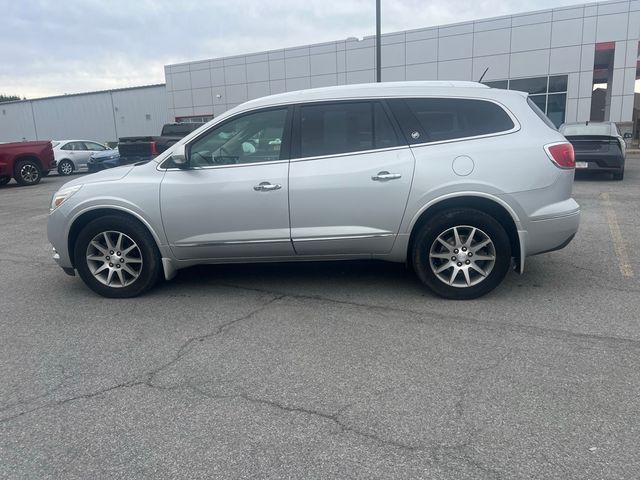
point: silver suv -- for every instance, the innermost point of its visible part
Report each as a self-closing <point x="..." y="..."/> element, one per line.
<point x="459" y="180"/>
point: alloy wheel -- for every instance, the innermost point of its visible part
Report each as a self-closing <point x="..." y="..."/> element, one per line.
<point x="462" y="256"/>
<point x="29" y="173"/>
<point x="66" y="168"/>
<point x="114" y="259"/>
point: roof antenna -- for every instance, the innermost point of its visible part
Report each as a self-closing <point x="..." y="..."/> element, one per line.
<point x="485" y="72"/>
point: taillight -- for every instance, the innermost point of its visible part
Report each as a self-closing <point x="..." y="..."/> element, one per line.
<point x="561" y="154"/>
<point x="154" y="148"/>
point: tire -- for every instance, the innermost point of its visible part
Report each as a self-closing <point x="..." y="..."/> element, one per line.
<point x="619" y="175"/>
<point x="442" y="268"/>
<point x="66" y="167"/>
<point x="27" y="172"/>
<point x="4" y="180"/>
<point x="97" y="266"/>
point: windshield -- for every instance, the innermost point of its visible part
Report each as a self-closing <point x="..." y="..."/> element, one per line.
<point x="584" y="129"/>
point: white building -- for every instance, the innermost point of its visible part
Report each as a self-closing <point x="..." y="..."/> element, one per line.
<point x="102" y="116"/>
<point x="557" y="55"/>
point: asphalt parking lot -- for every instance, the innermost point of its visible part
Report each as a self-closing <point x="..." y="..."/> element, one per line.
<point x="332" y="370"/>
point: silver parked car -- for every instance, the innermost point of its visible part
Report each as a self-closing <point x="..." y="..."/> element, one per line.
<point x="459" y="180"/>
<point x="73" y="155"/>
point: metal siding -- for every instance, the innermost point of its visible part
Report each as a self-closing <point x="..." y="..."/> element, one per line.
<point x="79" y="116"/>
<point x="133" y="107"/>
<point x="16" y="122"/>
<point x="88" y="116"/>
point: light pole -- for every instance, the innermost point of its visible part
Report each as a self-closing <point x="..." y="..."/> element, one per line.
<point x="378" y="46"/>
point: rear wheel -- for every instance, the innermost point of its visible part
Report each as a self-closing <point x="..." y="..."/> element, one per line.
<point x="28" y="172"/>
<point x="65" y="167"/>
<point x="619" y="175"/>
<point x="462" y="254"/>
<point x="117" y="257"/>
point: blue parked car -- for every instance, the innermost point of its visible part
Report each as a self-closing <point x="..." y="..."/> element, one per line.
<point x="102" y="160"/>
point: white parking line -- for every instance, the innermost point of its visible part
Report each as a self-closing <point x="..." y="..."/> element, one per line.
<point x="618" y="242"/>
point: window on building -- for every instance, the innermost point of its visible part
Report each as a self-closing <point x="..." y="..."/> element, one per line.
<point x="498" y="84"/>
<point x="548" y="93"/>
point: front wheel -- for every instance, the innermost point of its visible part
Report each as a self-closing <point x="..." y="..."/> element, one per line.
<point x="117" y="257"/>
<point x="462" y="254"/>
<point x="65" y="167"/>
<point x="28" y="172"/>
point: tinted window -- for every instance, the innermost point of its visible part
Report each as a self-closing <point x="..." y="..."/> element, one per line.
<point x="556" y="105"/>
<point x="558" y="83"/>
<point x="327" y="129"/>
<point x="67" y="146"/>
<point x="256" y="137"/>
<point x="449" y="118"/>
<point x="94" y="146"/>
<point x="529" y="85"/>
<point x="540" y="101"/>
<point x="497" y="84"/>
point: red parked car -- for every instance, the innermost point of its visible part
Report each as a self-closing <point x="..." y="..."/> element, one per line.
<point x="27" y="162"/>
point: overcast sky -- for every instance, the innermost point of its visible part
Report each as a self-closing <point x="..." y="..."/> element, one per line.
<point x="50" y="47"/>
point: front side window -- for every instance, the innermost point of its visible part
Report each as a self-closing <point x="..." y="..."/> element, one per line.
<point x="96" y="147"/>
<point x="329" y="129"/>
<point x="451" y="118"/>
<point x="251" y="138"/>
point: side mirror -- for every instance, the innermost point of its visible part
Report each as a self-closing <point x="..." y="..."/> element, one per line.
<point x="179" y="156"/>
<point x="627" y="135"/>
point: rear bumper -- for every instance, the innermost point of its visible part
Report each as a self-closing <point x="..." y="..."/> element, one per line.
<point x="599" y="161"/>
<point x="551" y="233"/>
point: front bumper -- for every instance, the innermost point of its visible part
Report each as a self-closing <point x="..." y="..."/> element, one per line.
<point x="68" y="270"/>
<point x="58" y="238"/>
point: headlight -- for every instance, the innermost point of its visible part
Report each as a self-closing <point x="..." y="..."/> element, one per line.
<point x="61" y="196"/>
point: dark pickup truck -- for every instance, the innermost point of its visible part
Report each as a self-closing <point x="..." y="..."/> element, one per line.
<point x="27" y="162"/>
<point x="136" y="149"/>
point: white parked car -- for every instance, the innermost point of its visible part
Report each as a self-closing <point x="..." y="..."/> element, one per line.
<point x="73" y="155"/>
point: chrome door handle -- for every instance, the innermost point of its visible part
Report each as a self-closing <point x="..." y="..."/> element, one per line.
<point x="267" y="187"/>
<point x="384" y="175"/>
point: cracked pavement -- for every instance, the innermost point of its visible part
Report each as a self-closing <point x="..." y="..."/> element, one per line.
<point x="330" y="370"/>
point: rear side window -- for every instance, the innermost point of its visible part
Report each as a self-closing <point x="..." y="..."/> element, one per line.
<point x="328" y="129"/>
<point x="451" y="118"/>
